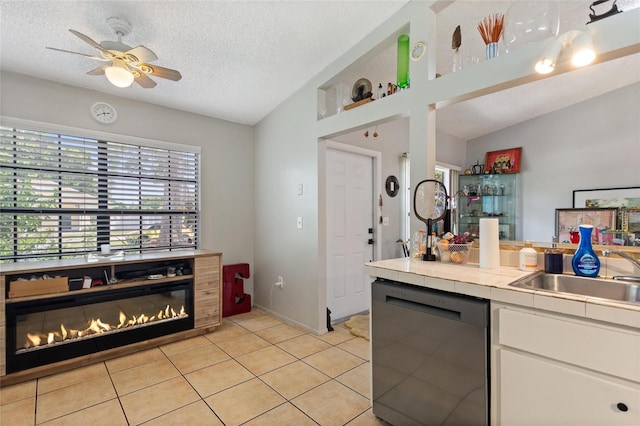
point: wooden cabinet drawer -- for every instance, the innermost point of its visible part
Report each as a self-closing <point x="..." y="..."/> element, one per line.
<point x="587" y="344"/>
<point x="204" y="263"/>
<point x="207" y="310"/>
<point x="206" y="293"/>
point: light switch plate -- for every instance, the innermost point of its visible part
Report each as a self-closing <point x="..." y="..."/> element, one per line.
<point x="299" y="223"/>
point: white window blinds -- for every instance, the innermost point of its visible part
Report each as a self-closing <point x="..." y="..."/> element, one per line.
<point x="63" y="196"/>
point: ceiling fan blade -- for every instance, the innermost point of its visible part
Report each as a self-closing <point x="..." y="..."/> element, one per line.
<point x="92" y="43"/>
<point x="162" y="72"/>
<point x="142" y="54"/>
<point x="98" y="71"/>
<point x="144" y="81"/>
<point x="97" y="58"/>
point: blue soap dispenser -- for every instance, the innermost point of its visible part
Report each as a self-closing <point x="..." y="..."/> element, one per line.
<point x="585" y="262"/>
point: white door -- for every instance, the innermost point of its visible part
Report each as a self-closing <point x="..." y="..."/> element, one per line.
<point x="349" y="220"/>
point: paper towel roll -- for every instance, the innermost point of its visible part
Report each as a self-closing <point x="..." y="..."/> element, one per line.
<point x="489" y="243"/>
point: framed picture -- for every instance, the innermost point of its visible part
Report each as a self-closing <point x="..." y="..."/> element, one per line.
<point x="607" y="197"/>
<point x="633" y="219"/>
<point x="568" y="220"/>
<point x="505" y="161"/>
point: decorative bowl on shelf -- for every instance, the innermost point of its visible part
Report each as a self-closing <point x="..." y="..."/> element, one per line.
<point x="454" y="253"/>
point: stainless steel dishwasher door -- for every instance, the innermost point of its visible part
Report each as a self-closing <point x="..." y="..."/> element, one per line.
<point x="429" y="356"/>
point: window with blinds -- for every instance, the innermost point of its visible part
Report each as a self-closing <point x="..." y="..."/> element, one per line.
<point x="63" y="196"/>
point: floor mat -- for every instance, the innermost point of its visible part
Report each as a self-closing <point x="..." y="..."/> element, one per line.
<point x="359" y="325"/>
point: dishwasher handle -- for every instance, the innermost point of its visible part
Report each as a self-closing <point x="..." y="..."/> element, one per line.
<point x="424" y="308"/>
<point x="453" y="306"/>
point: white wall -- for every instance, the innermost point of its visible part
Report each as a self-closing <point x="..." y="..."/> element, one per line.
<point x="227" y="151"/>
<point x="451" y="150"/>
<point x="286" y="156"/>
<point x="286" y="143"/>
<point x="591" y="145"/>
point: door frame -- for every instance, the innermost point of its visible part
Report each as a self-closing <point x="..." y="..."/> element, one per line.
<point x="376" y="157"/>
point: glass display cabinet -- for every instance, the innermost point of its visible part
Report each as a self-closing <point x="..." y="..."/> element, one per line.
<point x="485" y="195"/>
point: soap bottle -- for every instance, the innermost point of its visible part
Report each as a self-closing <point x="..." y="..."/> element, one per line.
<point x="528" y="258"/>
<point x="585" y="263"/>
<point x="553" y="258"/>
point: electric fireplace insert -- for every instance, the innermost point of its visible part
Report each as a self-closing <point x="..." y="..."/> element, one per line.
<point x="48" y="330"/>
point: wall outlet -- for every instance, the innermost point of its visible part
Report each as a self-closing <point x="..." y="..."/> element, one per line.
<point x="280" y="282"/>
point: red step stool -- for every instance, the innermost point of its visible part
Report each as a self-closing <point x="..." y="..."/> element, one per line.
<point x="234" y="299"/>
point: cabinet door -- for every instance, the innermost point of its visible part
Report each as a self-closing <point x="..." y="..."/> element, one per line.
<point x="207" y="285"/>
<point x="491" y="196"/>
<point x="535" y="391"/>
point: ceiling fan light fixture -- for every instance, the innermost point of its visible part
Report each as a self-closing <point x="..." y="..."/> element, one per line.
<point x="128" y="65"/>
<point x="119" y="76"/>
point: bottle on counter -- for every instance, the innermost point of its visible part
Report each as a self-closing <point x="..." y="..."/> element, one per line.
<point x="553" y="258"/>
<point x="528" y="258"/>
<point x="585" y="262"/>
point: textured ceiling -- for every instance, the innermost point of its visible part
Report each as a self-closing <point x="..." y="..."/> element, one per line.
<point x="240" y="59"/>
<point x="487" y="114"/>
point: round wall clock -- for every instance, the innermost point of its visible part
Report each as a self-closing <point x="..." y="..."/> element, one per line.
<point x="392" y="186"/>
<point x="103" y="113"/>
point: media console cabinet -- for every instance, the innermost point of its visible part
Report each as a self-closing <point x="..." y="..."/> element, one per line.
<point x="57" y="315"/>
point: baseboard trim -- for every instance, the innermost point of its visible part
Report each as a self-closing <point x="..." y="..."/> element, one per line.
<point x="291" y="321"/>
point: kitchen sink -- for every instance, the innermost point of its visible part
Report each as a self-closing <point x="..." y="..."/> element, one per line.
<point x="614" y="290"/>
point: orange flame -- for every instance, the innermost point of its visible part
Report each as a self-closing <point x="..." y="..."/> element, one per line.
<point x="33" y="339"/>
<point x="97" y="326"/>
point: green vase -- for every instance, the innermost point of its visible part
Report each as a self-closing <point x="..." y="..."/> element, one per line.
<point x="403" y="61"/>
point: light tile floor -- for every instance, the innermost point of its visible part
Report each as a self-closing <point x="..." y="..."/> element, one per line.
<point x="253" y="370"/>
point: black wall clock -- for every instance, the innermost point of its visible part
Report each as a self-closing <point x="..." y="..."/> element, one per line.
<point x="392" y="186"/>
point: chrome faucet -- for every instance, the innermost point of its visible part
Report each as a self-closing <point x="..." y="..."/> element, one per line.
<point x="630" y="258"/>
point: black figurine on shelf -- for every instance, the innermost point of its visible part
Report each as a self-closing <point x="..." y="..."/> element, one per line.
<point x="361" y="94"/>
<point x="595" y="17"/>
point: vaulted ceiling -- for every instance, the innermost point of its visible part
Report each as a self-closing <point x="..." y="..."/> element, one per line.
<point x="238" y="59"/>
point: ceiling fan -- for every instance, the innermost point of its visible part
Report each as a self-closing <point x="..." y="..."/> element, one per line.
<point x="127" y="64"/>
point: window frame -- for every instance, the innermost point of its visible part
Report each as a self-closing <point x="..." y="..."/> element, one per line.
<point x="101" y="235"/>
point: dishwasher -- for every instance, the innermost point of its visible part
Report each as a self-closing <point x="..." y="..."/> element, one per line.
<point x="429" y="356"/>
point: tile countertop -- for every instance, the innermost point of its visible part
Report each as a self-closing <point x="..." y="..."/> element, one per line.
<point x="493" y="284"/>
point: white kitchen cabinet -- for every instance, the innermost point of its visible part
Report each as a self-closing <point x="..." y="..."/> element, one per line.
<point x="552" y="369"/>
<point x="539" y="391"/>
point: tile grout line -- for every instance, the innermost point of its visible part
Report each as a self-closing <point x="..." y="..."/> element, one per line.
<point x="259" y="377"/>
